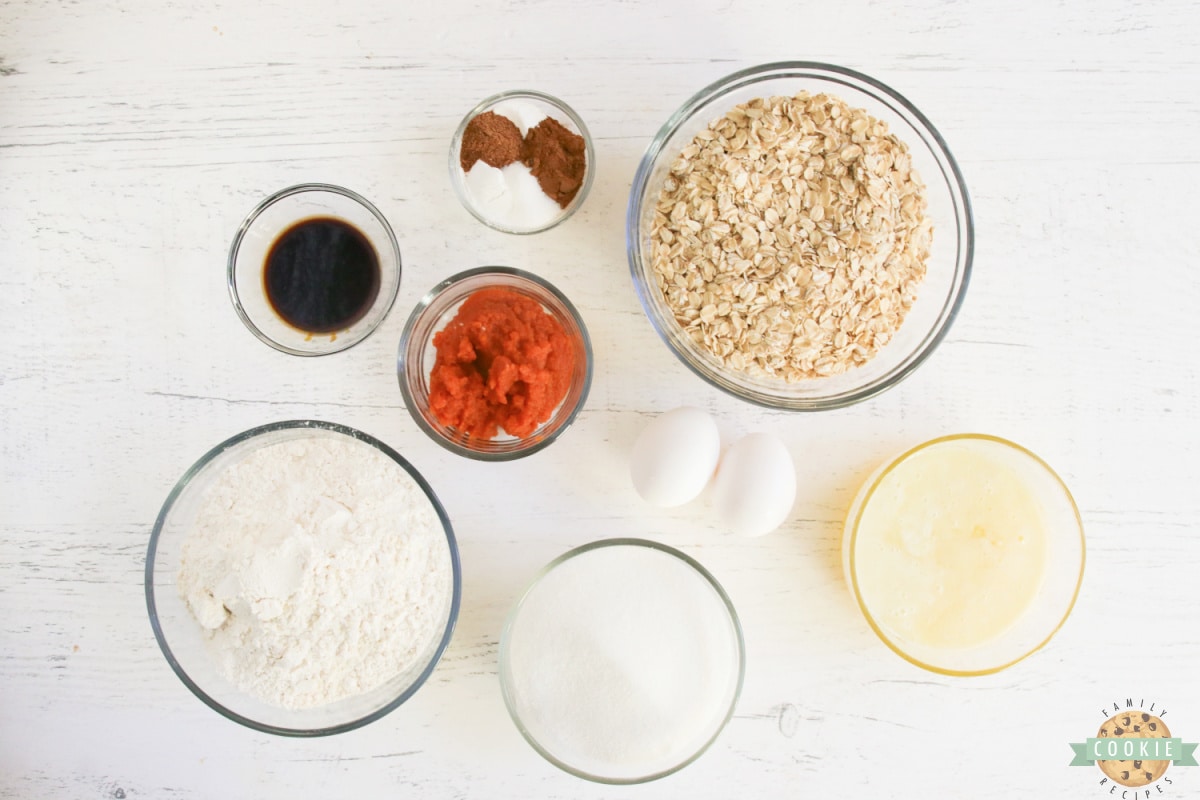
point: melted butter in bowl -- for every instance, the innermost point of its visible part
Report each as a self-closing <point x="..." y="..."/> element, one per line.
<point x="965" y="553"/>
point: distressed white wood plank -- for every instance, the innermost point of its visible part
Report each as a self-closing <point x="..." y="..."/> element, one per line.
<point x="134" y="135"/>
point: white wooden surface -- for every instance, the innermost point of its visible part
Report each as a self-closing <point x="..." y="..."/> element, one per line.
<point x="134" y="135"/>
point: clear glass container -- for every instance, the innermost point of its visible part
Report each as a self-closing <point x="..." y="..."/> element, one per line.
<point x="709" y="617"/>
<point x="417" y="356"/>
<point x="543" y="104"/>
<point x="263" y="227"/>
<point x="948" y="268"/>
<point x="180" y="636"/>
<point x="1057" y="588"/>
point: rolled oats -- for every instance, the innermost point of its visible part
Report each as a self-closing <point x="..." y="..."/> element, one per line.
<point x="790" y="237"/>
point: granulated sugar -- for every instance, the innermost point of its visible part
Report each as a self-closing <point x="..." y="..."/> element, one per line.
<point x="319" y="570"/>
<point x="622" y="661"/>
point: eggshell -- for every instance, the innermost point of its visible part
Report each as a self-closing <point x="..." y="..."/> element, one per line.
<point x="755" y="487"/>
<point x="674" y="457"/>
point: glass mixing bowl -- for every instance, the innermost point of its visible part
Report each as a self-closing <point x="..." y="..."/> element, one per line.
<point x="553" y="659"/>
<point x="179" y="634"/>
<point x="1052" y="596"/>
<point x="948" y="268"/>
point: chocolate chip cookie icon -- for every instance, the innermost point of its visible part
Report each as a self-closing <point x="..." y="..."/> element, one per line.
<point x="1133" y="725"/>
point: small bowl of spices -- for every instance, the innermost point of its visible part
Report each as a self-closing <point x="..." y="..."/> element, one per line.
<point x="313" y="269"/>
<point x="494" y="363"/>
<point x="521" y="162"/>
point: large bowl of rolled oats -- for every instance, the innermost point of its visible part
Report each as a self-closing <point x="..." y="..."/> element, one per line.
<point x="800" y="235"/>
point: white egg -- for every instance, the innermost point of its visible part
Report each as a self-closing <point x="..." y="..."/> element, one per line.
<point x="755" y="487"/>
<point x="674" y="457"/>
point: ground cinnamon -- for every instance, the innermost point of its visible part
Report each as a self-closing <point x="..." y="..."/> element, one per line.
<point x="491" y="138"/>
<point x="556" y="158"/>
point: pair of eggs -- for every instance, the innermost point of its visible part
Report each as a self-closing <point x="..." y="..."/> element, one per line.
<point x="677" y="454"/>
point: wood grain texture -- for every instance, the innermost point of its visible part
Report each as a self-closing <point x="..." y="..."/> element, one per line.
<point x="135" y="135"/>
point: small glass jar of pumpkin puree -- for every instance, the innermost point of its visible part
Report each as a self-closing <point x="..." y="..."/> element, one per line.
<point x="494" y="363"/>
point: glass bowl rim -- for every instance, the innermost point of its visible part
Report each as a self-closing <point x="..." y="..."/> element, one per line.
<point x="423" y="305"/>
<point x="859" y="506"/>
<point x="272" y="199"/>
<point x="183" y="484"/>
<point x="954" y="181"/>
<point x="624" y="541"/>
<point x="458" y="181"/>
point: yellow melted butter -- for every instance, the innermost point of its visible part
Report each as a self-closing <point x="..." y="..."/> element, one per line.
<point x="951" y="548"/>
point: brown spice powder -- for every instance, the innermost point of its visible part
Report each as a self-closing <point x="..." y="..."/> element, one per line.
<point x="493" y="139"/>
<point x="556" y="158"/>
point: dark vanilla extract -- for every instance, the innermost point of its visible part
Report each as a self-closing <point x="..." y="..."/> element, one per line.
<point x="321" y="275"/>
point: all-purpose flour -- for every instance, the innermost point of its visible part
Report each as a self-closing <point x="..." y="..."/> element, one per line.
<point x="319" y="570"/>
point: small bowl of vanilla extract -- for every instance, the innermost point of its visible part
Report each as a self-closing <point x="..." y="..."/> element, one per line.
<point x="314" y="269"/>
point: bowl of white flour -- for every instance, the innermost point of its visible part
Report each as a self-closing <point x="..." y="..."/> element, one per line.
<point x="302" y="579"/>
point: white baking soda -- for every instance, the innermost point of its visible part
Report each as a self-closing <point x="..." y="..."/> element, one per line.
<point x="622" y="661"/>
<point x="510" y="196"/>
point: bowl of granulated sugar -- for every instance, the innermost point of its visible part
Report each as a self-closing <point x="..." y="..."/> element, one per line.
<point x="302" y="579"/>
<point x="622" y="661"/>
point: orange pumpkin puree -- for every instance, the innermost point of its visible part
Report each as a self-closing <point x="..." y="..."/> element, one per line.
<point x="502" y="363"/>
